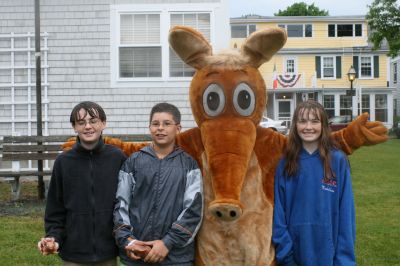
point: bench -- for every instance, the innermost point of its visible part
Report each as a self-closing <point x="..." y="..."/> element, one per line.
<point x="19" y="150"/>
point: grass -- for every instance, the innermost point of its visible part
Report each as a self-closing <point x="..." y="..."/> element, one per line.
<point x="376" y="184"/>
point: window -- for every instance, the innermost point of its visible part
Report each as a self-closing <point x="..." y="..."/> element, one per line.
<point x="242" y="31"/>
<point x="329" y="105"/>
<point x="331" y="30"/>
<point x="328" y="67"/>
<point x="140" y="47"/>
<point x="366" y="67"/>
<point x="345" y="30"/>
<point x="345" y="105"/>
<point x="199" y="21"/>
<point x="290" y="65"/>
<point x="297" y="30"/>
<point x="365" y="103"/>
<point x="394" y="73"/>
<point x="381" y="111"/>
<point x="358" y="30"/>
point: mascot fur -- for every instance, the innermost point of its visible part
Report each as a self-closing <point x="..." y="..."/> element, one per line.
<point x="237" y="157"/>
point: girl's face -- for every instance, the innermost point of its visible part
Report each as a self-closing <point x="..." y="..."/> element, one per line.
<point x="309" y="127"/>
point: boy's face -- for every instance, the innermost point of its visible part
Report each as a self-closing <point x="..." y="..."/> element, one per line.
<point x="163" y="129"/>
<point x="88" y="128"/>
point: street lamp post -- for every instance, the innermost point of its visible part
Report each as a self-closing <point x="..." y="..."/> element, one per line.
<point x="352" y="76"/>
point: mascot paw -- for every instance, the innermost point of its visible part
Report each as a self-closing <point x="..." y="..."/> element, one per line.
<point x="69" y="144"/>
<point x="362" y="132"/>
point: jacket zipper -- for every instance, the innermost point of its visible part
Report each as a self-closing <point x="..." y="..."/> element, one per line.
<point x="155" y="235"/>
<point x="93" y="205"/>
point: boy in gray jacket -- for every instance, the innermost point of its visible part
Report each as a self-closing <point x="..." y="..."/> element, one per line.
<point x="159" y="198"/>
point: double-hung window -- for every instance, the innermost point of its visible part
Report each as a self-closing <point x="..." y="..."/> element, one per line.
<point x="328" y="67"/>
<point x="140" y="46"/>
<point x="199" y="21"/>
<point x="394" y="73"/>
<point x="140" y="51"/>
<point x="366" y="70"/>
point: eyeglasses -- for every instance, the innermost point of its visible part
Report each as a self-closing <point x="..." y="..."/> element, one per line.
<point x="92" y="122"/>
<point x="167" y="123"/>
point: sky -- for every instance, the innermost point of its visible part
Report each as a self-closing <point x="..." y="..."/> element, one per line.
<point x="237" y="8"/>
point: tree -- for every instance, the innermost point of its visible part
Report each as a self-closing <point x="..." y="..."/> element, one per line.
<point x="384" y="20"/>
<point x="302" y="9"/>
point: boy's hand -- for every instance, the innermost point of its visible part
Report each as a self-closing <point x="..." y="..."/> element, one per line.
<point x="137" y="250"/>
<point x="48" y="246"/>
<point x="158" y="252"/>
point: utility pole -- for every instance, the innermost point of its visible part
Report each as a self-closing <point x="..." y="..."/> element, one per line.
<point x="41" y="190"/>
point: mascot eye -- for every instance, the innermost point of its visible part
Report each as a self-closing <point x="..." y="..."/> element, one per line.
<point x="213" y="100"/>
<point x="244" y="99"/>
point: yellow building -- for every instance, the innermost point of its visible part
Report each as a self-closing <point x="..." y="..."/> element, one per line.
<point x="314" y="64"/>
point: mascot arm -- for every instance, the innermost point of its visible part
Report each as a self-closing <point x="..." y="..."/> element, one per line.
<point x="127" y="147"/>
<point x="360" y="132"/>
<point x="190" y="141"/>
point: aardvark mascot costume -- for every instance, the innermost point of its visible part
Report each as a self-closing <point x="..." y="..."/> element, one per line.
<point x="238" y="158"/>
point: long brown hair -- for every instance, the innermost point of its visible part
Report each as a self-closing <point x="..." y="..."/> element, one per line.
<point x="326" y="143"/>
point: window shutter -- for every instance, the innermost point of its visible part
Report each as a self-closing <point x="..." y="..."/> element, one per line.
<point x="376" y="66"/>
<point x="338" y="67"/>
<point x="318" y="66"/>
<point x="355" y="65"/>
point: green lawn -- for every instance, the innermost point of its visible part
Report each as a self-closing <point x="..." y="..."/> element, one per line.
<point x="376" y="182"/>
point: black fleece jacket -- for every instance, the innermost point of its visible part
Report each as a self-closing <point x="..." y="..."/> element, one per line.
<point x="80" y="202"/>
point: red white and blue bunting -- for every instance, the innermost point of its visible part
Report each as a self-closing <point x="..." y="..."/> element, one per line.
<point x="288" y="80"/>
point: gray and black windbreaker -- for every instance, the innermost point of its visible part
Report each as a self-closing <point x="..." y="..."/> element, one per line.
<point x="159" y="199"/>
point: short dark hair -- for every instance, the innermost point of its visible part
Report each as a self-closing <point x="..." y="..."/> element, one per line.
<point x="166" y="108"/>
<point x="91" y="108"/>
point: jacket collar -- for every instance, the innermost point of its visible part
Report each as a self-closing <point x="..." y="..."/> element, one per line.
<point x="150" y="150"/>
<point x="78" y="146"/>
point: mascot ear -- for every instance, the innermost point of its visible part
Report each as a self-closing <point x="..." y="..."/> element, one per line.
<point x="190" y="46"/>
<point x="262" y="45"/>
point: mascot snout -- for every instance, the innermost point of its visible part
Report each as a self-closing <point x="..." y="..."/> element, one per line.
<point x="228" y="150"/>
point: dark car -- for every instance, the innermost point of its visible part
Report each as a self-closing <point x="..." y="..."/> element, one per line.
<point x="339" y="122"/>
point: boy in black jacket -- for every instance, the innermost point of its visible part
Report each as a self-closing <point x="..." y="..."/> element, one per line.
<point x="79" y="209"/>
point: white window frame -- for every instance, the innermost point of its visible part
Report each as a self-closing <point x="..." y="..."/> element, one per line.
<point x="372" y="67"/>
<point x="247" y="29"/>
<point x="334" y="67"/>
<point x="353" y="33"/>
<point x="285" y="62"/>
<point x="304" y="29"/>
<point x="165" y="10"/>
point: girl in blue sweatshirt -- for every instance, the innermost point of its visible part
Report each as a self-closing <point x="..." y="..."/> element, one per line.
<point x="314" y="217"/>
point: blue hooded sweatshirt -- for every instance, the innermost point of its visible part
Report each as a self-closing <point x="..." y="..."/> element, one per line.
<point x="314" y="220"/>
